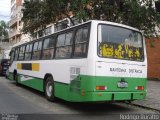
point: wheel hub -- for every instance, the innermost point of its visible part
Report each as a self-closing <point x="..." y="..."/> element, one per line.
<point x="49" y="89"/>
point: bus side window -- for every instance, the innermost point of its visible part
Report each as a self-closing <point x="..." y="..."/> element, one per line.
<point x="60" y="46"/>
<point x="12" y="55"/>
<point x="28" y="52"/>
<point x="68" y="44"/>
<point x="64" y="45"/>
<point x="16" y="54"/>
<point x="21" y="53"/>
<point x="37" y="50"/>
<point x="81" y="43"/>
<point x="48" y="48"/>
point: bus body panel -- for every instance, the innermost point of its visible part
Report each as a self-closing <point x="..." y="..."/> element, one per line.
<point x="62" y="72"/>
<point x="77" y="80"/>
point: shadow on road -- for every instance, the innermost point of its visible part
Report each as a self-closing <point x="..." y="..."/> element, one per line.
<point x="96" y="108"/>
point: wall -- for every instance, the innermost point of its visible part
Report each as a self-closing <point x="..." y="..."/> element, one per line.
<point x="18" y="2"/>
<point x="153" y="55"/>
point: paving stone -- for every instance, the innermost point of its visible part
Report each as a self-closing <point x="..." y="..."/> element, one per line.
<point x="153" y="95"/>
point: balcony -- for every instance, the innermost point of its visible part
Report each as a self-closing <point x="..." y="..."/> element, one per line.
<point x="16" y="10"/>
<point x="16" y="17"/>
<point x="13" y="21"/>
<point x="14" y="33"/>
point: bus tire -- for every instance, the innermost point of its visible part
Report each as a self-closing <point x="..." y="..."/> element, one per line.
<point x="16" y="79"/>
<point x="49" y="89"/>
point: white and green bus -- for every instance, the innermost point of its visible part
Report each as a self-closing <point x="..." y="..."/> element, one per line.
<point x="92" y="61"/>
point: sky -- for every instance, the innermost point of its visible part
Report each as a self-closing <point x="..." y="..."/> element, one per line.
<point x="5" y="10"/>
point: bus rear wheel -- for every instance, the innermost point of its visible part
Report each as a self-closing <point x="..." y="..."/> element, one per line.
<point x="49" y="89"/>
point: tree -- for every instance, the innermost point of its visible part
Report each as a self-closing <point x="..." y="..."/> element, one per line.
<point x="37" y="14"/>
<point x="3" y="30"/>
<point x="136" y="13"/>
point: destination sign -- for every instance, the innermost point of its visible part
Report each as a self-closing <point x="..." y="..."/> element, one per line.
<point x="123" y="70"/>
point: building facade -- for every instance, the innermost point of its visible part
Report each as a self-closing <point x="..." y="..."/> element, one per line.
<point x="153" y="57"/>
<point x="15" y="23"/>
<point x="153" y="50"/>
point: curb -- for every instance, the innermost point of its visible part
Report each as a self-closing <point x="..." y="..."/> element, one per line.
<point x="153" y="79"/>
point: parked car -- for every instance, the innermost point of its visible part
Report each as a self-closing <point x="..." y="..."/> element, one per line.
<point x="4" y="65"/>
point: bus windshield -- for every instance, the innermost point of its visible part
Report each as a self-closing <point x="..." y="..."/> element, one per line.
<point x="120" y="43"/>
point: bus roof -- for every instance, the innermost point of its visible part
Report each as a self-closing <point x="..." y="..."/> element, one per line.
<point x="116" y="24"/>
<point x="101" y="22"/>
<point x="92" y="21"/>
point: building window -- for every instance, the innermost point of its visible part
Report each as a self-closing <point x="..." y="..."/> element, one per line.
<point x="48" y="31"/>
<point x="35" y="35"/>
<point x="12" y="1"/>
<point x="40" y="33"/>
<point x="20" y="23"/>
<point x="13" y="8"/>
<point x="60" y="25"/>
<point x="157" y="5"/>
<point x="75" y="21"/>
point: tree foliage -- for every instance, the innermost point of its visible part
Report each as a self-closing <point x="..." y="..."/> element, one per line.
<point x="136" y="13"/>
<point x="3" y="30"/>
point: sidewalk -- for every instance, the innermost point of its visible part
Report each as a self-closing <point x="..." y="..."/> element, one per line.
<point x="153" y="95"/>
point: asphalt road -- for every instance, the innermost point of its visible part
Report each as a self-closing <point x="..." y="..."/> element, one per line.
<point x="29" y="103"/>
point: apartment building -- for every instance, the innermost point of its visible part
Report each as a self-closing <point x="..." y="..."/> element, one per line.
<point x="15" y="35"/>
<point x="16" y="24"/>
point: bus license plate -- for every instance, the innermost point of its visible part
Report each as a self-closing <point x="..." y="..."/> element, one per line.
<point x="122" y="84"/>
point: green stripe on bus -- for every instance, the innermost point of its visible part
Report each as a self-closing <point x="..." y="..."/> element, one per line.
<point x="36" y="83"/>
<point x="83" y="88"/>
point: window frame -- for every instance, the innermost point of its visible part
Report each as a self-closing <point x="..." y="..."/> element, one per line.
<point x="54" y="47"/>
<point x="39" y="40"/>
<point x="157" y="6"/>
<point x="29" y="51"/>
<point x="12" y="52"/>
<point x="22" y="53"/>
<point x="87" y="42"/>
<point x="17" y="48"/>
<point x="63" y="46"/>
<point x="55" y="36"/>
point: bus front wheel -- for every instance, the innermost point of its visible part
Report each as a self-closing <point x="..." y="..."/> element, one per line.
<point x="49" y="89"/>
<point x="15" y="77"/>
